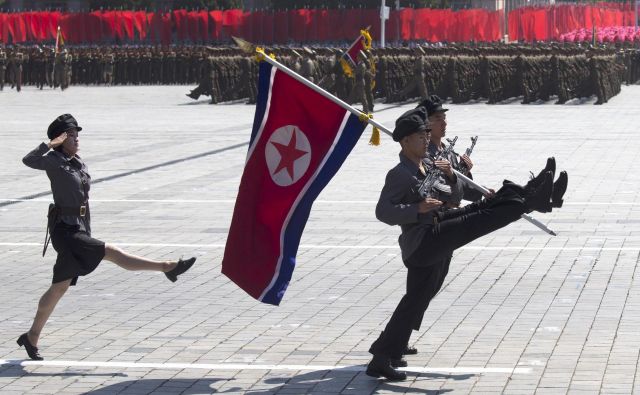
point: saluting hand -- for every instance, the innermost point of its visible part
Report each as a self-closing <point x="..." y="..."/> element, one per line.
<point x="467" y="161"/>
<point x="428" y="204"/>
<point x="58" y="140"/>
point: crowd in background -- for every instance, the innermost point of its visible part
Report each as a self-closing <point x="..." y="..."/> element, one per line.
<point x="493" y="72"/>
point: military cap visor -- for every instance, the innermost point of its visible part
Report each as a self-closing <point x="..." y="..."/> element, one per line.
<point x="62" y="124"/>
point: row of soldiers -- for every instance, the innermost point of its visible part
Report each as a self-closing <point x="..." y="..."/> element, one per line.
<point x="105" y="65"/>
<point x="494" y="72"/>
<point x="499" y="78"/>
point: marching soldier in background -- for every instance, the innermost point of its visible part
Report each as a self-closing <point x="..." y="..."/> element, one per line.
<point x="15" y="69"/>
<point x="108" y="64"/>
<point x="369" y="78"/>
<point x="417" y="83"/>
<point x="358" y="93"/>
<point x="58" y="70"/>
<point x="309" y="66"/>
<point x="3" y="67"/>
<point x="39" y="68"/>
<point x="67" y="60"/>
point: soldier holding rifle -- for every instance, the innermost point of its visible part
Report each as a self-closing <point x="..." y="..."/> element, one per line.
<point x="430" y="233"/>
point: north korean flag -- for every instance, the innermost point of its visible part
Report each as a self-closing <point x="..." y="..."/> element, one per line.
<point x="351" y="54"/>
<point x="298" y="142"/>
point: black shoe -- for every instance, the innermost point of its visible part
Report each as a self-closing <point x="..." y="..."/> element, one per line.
<point x="539" y="198"/>
<point x="398" y="363"/>
<point x="32" y="350"/>
<point x="381" y="366"/>
<point x="410" y="351"/>
<point x="180" y="268"/>
<point x="537" y="180"/>
<point x="559" y="188"/>
<point x="192" y="95"/>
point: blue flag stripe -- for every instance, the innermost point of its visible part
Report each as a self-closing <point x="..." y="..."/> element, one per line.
<point x="293" y="232"/>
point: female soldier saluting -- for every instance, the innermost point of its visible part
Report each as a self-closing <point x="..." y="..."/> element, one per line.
<point x="70" y="225"/>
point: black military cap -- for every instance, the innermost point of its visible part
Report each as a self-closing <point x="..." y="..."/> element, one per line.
<point x="433" y="104"/>
<point x="412" y="121"/>
<point x="61" y="124"/>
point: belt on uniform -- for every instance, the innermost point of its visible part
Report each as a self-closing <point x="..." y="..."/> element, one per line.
<point x="78" y="211"/>
<point x="53" y="214"/>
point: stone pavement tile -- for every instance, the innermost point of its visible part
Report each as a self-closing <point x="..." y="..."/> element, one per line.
<point x="551" y="390"/>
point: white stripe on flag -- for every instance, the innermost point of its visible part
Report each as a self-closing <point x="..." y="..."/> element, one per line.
<point x="265" y="116"/>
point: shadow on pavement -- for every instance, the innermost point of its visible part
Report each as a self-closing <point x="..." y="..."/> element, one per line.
<point x="166" y="386"/>
<point x="349" y="380"/>
<point x="14" y="369"/>
<point x="335" y="381"/>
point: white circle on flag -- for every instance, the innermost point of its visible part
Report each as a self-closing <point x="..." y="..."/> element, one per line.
<point x="288" y="154"/>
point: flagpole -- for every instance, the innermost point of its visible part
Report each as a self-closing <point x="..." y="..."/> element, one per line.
<point x="382" y="23"/>
<point x="55" y="55"/>
<point x="264" y="57"/>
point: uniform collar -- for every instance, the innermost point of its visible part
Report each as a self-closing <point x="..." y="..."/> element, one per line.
<point x="408" y="163"/>
<point x="65" y="157"/>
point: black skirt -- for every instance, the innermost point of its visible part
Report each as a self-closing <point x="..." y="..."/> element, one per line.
<point x="78" y="253"/>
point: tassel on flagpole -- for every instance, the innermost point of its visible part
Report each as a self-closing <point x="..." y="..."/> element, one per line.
<point x="260" y="54"/>
<point x="375" y="132"/>
<point x="375" y="136"/>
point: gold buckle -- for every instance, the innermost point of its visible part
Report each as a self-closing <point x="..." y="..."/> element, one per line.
<point x="83" y="211"/>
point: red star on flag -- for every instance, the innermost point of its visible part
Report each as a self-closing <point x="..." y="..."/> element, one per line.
<point x="288" y="155"/>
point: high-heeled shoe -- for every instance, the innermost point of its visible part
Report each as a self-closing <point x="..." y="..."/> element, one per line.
<point x="180" y="268"/>
<point x="32" y="350"/>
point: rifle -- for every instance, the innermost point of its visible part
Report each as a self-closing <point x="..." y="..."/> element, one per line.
<point x="430" y="187"/>
<point x="468" y="151"/>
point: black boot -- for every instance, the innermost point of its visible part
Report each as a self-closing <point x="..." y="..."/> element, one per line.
<point x="180" y="268"/>
<point x="550" y="166"/>
<point x="381" y="366"/>
<point x="539" y="198"/>
<point x="398" y="363"/>
<point x="410" y="351"/>
<point x="559" y="188"/>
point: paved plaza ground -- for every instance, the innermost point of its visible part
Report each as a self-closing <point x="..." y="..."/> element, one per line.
<point x="520" y="312"/>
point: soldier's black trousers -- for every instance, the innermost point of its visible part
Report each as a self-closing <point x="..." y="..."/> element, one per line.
<point x="442" y="271"/>
<point x="428" y="265"/>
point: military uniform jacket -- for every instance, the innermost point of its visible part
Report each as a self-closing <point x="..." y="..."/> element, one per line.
<point x="398" y="204"/>
<point x="70" y="182"/>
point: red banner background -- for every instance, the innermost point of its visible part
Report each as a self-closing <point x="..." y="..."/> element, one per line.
<point x="309" y="25"/>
